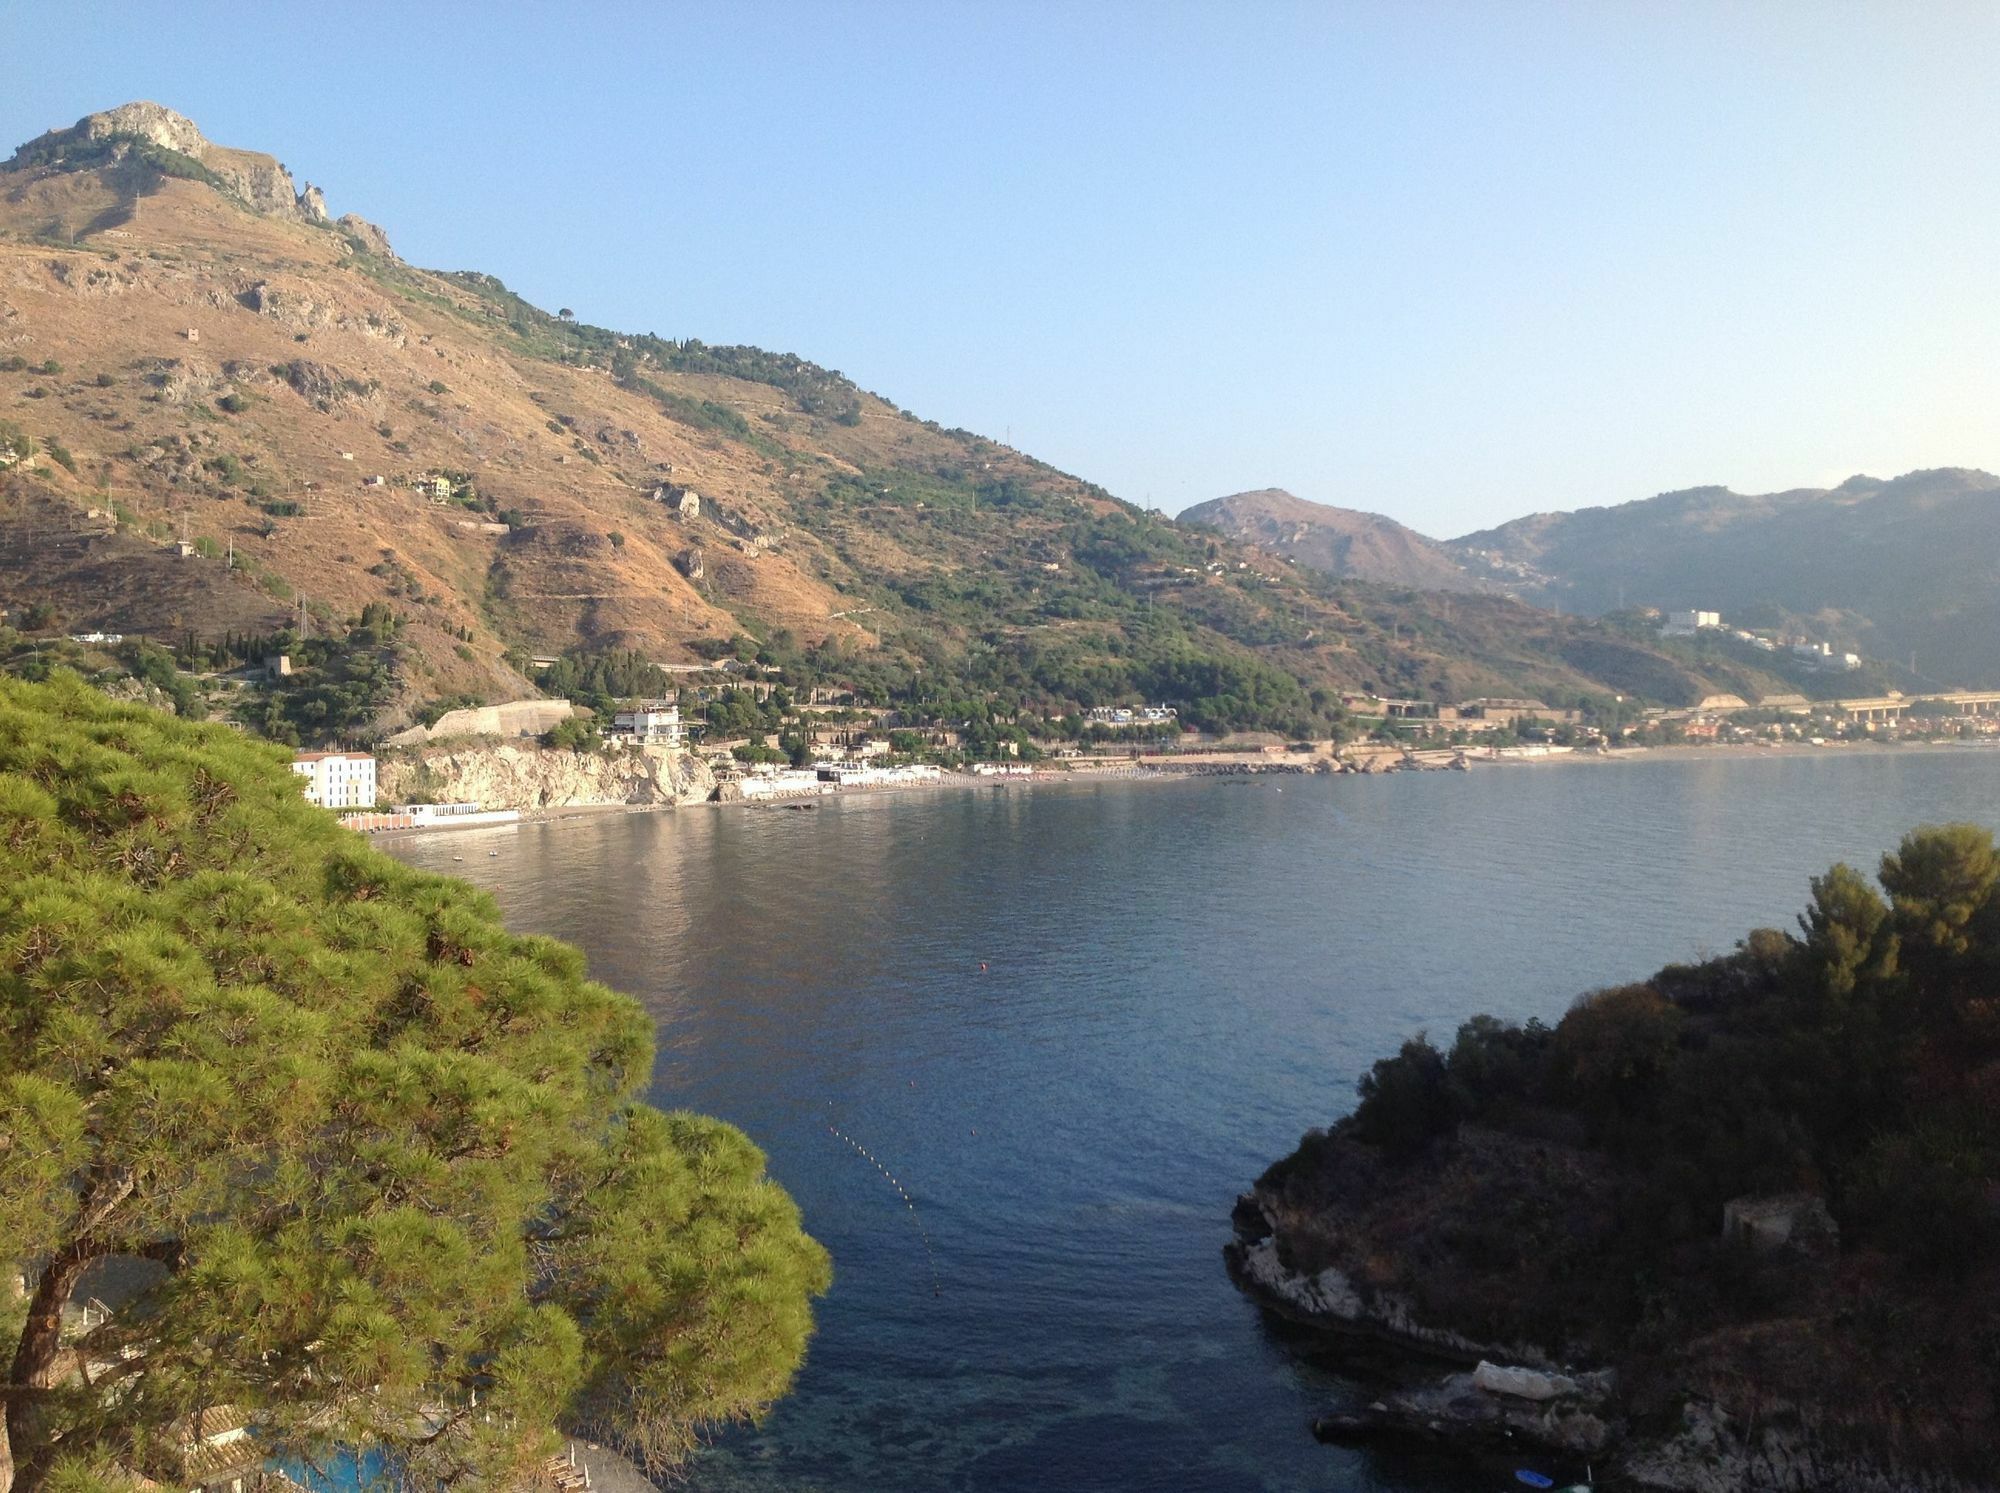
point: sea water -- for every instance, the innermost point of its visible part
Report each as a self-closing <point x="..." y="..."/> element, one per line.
<point x="1074" y="1021"/>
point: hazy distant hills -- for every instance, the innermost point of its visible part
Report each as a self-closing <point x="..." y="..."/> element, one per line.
<point x="1335" y="541"/>
<point x="1895" y="568"/>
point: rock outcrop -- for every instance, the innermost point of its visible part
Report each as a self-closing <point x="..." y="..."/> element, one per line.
<point x="501" y="776"/>
<point x="371" y="238"/>
<point x="149" y="121"/>
<point x="1712" y="1452"/>
<point x="1330" y="1298"/>
<point x="1517" y="1396"/>
<point x="261" y="182"/>
<point x="289" y="306"/>
<point x="1461" y="1407"/>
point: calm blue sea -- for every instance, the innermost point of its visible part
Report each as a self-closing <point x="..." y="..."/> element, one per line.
<point x="1075" y="1021"/>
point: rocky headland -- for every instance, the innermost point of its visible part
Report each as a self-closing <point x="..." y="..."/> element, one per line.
<point x="1734" y="1228"/>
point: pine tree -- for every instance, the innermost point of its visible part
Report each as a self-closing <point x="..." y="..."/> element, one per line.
<point x="373" y="1157"/>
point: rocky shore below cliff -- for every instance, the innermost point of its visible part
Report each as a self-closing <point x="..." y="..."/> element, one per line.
<point x="1483" y="1394"/>
<point x="501" y="775"/>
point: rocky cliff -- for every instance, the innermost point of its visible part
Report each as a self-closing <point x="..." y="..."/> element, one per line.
<point x="260" y="182"/>
<point x="501" y="776"/>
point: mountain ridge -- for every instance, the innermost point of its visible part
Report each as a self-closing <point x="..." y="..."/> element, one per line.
<point x="1342" y="542"/>
<point x="170" y="142"/>
<point x="330" y="429"/>
<point x="1892" y="567"/>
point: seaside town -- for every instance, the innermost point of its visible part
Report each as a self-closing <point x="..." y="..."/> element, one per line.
<point x="756" y="726"/>
<point x="830" y="741"/>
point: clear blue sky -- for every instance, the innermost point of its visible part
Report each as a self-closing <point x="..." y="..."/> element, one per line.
<point x="1449" y="262"/>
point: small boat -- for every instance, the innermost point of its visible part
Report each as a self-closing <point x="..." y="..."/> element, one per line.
<point x="1535" y="1479"/>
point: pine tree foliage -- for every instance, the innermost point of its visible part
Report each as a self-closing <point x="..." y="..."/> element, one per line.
<point x="377" y="1166"/>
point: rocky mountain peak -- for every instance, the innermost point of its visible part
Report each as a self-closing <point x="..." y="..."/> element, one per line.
<point x="1338" y="541"/>
<point x="149" y="121"/>
<point x="262" y="183"/>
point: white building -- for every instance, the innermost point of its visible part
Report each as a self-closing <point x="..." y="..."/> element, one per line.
<point x="1120" y="715"/>
<point x="655" y="723"/>
<point x="337" y="780"/>
<point x="1687" y="624"/>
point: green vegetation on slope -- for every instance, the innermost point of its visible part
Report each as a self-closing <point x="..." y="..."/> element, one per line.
<point x="1565" y="1185"/>
<point x="365" y="1154"/>
<point x="81" y="154"/>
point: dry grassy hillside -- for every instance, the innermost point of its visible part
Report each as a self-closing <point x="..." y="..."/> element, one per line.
<point x="1337" y="541"/>
<point x="340" y="380"/>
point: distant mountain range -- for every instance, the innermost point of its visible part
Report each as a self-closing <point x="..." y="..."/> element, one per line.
<point x="1336" y="541"/>
<point x="1895" y="568"/>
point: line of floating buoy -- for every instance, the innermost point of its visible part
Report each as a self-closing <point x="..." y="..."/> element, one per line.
<point x="937" y="1285"/>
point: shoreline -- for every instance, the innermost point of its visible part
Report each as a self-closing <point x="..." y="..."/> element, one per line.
<point x="1738" y="751"/>
<point x="1211" y="766"/>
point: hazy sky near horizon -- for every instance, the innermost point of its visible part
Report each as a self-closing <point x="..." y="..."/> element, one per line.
<point x="1449" y="262"/>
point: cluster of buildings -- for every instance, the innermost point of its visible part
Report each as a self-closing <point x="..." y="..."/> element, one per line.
<point x="1788" y="717"/>
<point x="1687" y="624"/>
<point x="809" y="782"/>
<point x="428" y="816"/>
<point x="345" y="783"/>
<point x="1816" y="654"/>
<point x="1125" y="715"/>
<point x="1822" y="656"/>
<point x="437" y="486"/>
<point x="1428" y="718"/>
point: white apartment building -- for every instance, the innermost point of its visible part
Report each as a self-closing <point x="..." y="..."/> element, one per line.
<point x="656" y="723"/>
<point x="1687" y="624"/>
<point x="337" y="780"/>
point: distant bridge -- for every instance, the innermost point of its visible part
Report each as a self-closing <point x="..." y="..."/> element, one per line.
<point x="1880" y="708"/>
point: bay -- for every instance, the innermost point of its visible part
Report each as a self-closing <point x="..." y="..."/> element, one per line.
<point x="1070" y="1023"/>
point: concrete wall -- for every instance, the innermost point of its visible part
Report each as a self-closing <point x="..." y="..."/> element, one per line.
<point x="515" y="718"/>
